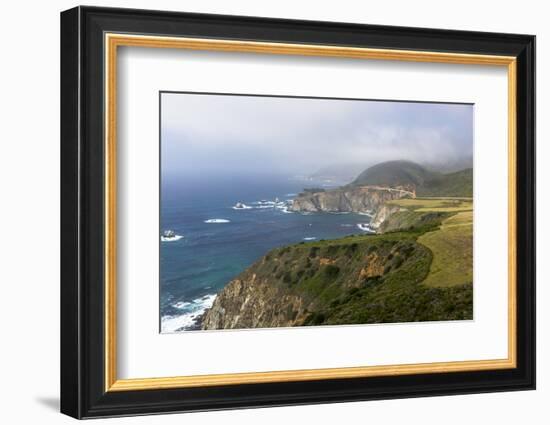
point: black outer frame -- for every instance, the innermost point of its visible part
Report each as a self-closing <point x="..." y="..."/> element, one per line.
<point x="82" y="219"/>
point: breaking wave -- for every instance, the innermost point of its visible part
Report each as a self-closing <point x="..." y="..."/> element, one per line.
<point x="181" y="322"/>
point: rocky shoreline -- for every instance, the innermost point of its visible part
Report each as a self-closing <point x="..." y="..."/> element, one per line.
<point x="197" y="322"/>
<point x="367" y="200"/>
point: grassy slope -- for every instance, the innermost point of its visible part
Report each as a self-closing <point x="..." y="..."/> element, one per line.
<point x="452" y="248"/>
<point x="435" y="204"/>
<point x="455" y="184"/>
<point x="368" y="279"/>
<point x="451" y="244"/>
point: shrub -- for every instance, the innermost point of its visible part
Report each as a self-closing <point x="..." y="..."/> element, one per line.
<point x="353" y="290"/>
<point x="333" y="249"/>
<point x="397" y="261"/>
<point x="287" y="278"/>
<point x="371" y="249"/>
<point x="331" y="271"/>
<point x="313" y="251"/>
<point x="315" y="319"/>
<point x="352" y="249"/>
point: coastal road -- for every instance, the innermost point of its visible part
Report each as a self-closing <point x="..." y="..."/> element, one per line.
<point x="391" y="189"/>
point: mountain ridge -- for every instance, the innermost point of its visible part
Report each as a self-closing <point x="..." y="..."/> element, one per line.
<point x="408" y="174"/>
<point x="394" y="173"/>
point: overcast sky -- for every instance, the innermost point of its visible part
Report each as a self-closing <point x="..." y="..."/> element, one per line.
<point x="245" y="134"/>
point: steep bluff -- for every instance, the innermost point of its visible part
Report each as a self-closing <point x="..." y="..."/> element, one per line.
<point x="383" y="213"/>
<point x="253" y="301"/>
<point x="357" y="279"/>
<point x="359" y="199"/>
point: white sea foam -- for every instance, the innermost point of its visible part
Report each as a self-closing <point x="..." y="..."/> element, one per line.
<point x="205" y="302"/>
<point x="243" y="207"/>
<point x="181" y="304"/>
<point x="170" y="324"/>
<point x="310" y="238"/>
<point x="291" y="194"/>
<point x="179" y="322"/>
<point x="171" y="238"/>
<point x="217" y="220"/>
<point x="365" y="227"/>
<point x="280" y="205"/>
<point x="283" y="208"/>
<point x="368" y="214"/>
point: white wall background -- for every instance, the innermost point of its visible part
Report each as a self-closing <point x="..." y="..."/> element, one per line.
<point x="29" y="213"/>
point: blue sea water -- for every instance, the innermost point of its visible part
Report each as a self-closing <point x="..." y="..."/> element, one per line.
<point x="196" y="267"/>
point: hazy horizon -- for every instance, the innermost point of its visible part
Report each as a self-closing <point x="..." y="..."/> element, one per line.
<point x="250" y="135"/>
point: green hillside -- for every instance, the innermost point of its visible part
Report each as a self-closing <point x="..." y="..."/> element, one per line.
<point x="395" y="173"/>
<point x="412" y="175"/>
<point x="398" y="276"/>
<point x="455" y="184"/>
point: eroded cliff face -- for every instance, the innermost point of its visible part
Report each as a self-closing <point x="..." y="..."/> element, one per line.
<point x="289" y="286"/>
<point x="383" y="213"/>
<point x="251" y="301"/>
<point x="364" y="199"/>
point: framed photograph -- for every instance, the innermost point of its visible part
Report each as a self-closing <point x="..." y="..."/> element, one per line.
<point x="261" y="212"/>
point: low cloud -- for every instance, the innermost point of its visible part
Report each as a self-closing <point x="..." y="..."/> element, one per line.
<point x="220" y="134"/>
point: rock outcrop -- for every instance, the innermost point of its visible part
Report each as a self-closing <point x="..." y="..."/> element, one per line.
<point x="383" y="213"/>
<point x="358" y="199"/>
<point x="250" y="301"/>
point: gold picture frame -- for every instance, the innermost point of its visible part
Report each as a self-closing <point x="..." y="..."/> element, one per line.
<point x="91" y="41"/>
<point x="114" y="41"/>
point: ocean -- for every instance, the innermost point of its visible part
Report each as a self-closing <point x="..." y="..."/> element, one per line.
<point x="215" y="241"/>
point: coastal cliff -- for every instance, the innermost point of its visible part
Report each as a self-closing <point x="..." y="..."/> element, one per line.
<point x="373" y="190"/>
<point x="252" y="301"/>
<point x="383" y="213"/>
<point x="357" y="199"/>
<point x="357" y="279"/>
<point x="417" y="267"/>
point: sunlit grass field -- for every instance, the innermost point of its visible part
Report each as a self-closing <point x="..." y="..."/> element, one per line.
<point x="452" y="249"/>
<point x="435" y="204"/>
